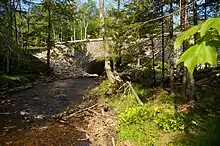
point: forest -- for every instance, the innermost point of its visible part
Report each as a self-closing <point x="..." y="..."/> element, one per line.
<point x="110" y="73"/>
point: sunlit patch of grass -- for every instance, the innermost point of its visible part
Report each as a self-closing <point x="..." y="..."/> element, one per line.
<point x="10" y="77"/>
<point x="101" y="89"/>
<point x="121" y="102"/>
<point x="35" y="48"/>
<point x="7" y="81"/>
<point x="11" y="81"/>
<point x="160" y="121"/>
<point x="144" y="134"/>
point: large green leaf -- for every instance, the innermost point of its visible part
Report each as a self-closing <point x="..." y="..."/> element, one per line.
<point x="198" y="54"/>
<point x="186" y="35"/>
<point x="210" y="23"/>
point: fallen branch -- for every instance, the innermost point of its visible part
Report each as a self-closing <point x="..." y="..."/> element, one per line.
<point x="96" y="113"/>
<point x="113" y="141"/>
<point x="20" y="88"/>
<point x="122" y="86"/>
<point x="73" y="114"/>
<point x="134" y="93"/>
<point x="69" y="124"/>
<point x="50" y="79"/>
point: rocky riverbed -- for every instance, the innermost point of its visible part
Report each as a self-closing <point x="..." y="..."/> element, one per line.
<point x="58" y="113"/>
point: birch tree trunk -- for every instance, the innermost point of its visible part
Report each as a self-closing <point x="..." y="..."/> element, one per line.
<point x="108" y="70"/>
<point x="81" y="32"/>
<point x="74" y="31"/>
<point x="85" y="29"/>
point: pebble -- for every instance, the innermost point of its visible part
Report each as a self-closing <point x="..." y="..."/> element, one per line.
<point x="23" y="113"/>
<point x="39" y="117"/>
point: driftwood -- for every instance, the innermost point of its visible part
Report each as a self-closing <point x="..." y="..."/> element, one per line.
<point x="16" y="89"/>
<point x="73" y="114"/>
<point x="20" y="88"/>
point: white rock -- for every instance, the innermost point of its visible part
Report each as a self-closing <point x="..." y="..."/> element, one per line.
<point x="24" y="113"/>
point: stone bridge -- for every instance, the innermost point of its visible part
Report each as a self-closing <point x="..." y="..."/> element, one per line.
<point x="95" y="53"/>
<point x="92" y="59"/>
<point x="92" y="48"/>
<point x="88" y="54"/>
<point x="95" y="49"/>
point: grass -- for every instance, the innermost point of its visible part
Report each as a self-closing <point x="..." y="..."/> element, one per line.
<point x="161" y="121"/>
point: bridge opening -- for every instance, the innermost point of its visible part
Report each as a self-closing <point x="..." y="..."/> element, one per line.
<point x="95" y="67"/>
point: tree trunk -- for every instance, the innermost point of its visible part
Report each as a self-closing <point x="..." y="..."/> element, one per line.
<point x="54" y="35"/>
<point x="138" y="62"/>
<point x="118" y="47"/>
<point x="16" y="46"/>
<point x="28" y="23"/>
<point x="74" y="31"/>
<point x="119" y="5"/>
<point x="183" y="14"/>
<point x="195" y="18"/>
<point x="183" y="21"/>
<point x="85" y="35"/>
<point x="163" y="70"/>
<point x="20" y="29"/>
<point x="10" y="38"/>
<point x="205" y="7"/>
<point x="152" y="47"/>
<point x="61" y="35"/>
<point x="195" y="22"/>
<point x="108" y="70"/>
<point x="172" y="62"/>
<point x="49" y="43"/>
<point x="81" y="32"/>
<point x="15" y="26"/>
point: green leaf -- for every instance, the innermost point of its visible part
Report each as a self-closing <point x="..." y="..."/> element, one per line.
<point x="217" y="26"/>
<point x="186" y="35"/>
<point x="210" y="23"/>
<point x="198" y="54"/>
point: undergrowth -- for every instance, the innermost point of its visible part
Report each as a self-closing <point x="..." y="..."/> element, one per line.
<point x="160" y="121"/>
